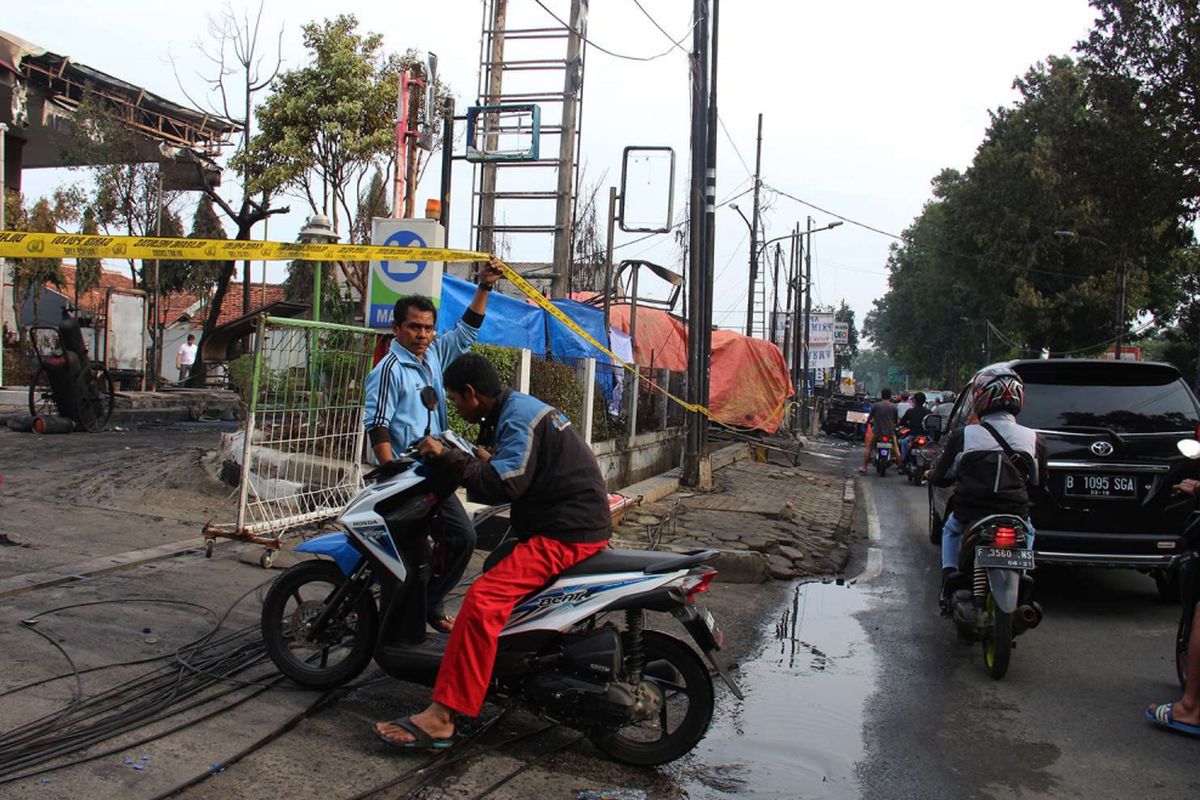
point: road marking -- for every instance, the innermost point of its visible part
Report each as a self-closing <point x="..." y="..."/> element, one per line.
<point x="874" y="567"/>
<point x="872" y="512"/>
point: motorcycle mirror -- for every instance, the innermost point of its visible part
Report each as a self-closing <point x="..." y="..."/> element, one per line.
<point x="429" y="399"/>
<point x="1189" y="447"/>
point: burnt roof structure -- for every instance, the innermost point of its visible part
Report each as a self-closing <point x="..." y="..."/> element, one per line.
<point x="40" y="92"/>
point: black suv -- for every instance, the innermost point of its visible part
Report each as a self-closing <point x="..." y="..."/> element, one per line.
<point x="1111" y="430"/>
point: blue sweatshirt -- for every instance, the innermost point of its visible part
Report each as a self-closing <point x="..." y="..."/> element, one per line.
<point x="394" y="385"/>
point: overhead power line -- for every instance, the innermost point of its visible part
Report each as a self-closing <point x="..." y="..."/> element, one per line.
<point x="605" y="50"/>
<point x="908" y="240"/>
<point x="674" y="42"/>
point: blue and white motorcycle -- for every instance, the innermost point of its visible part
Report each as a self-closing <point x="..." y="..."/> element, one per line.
<point x="577" y="651"/>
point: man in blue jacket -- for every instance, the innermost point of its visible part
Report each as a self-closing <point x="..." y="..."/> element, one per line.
<point x="395" y="417"/>
<point x="535" y="459"/>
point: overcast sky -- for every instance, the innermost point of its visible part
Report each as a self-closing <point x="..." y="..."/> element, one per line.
<point x="863" y="102"/>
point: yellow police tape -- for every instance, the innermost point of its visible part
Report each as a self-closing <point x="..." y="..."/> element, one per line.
<point x="21" y="244"/>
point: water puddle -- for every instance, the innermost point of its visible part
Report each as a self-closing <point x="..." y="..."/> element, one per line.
<point x="798" y="734"/>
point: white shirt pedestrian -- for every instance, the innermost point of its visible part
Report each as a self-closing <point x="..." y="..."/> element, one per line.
<point x="186" y="357"/>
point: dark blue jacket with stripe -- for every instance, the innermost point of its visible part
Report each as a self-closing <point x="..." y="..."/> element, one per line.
<point x="541" y="465"/>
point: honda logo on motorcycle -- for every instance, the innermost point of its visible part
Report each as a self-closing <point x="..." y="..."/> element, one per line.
<point x="1102" y="448"/>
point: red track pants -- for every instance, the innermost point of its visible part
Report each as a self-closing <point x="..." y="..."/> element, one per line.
<point x="466" y="669"/>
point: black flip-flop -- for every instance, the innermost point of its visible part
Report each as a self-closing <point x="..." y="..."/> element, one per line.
<point x="421" y="739"/>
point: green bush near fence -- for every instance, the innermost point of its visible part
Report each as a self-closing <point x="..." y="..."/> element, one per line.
<point x="556" y="384"/>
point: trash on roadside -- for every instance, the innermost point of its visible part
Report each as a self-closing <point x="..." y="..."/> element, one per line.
<point x="145" y="758"/>
<point x="611" y="794"/>
<point x="139" y="766"/>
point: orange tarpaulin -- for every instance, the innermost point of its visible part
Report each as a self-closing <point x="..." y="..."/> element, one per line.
<point x="749" y="381"/>
<point x="662" y="340"/>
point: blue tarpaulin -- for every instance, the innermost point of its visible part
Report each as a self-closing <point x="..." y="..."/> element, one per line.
<point x="566" y="343"/>
<point x="514" y="323"/>
<point x="509" y="322"/>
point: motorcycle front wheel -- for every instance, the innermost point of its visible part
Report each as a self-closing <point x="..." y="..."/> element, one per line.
<point x="997" y="640"/>
<point x="317" y="661"/>
<point x="675" y="670"/>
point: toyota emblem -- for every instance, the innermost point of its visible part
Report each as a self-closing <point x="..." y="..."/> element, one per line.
<point x="1102" y="448"/>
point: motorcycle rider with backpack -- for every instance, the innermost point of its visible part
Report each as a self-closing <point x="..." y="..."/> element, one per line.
<point x="993" y="462"/>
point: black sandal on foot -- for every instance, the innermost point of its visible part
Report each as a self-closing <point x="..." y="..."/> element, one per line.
<point x="421" y="739"/>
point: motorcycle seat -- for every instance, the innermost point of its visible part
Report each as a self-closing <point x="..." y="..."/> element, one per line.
<point x="608" y="561"/>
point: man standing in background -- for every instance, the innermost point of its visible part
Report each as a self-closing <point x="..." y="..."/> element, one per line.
<point x="186" y="357"/>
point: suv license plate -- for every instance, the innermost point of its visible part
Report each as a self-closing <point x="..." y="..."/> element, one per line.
<point x="1003" y="557"/>
<point x="1093" y="484"/>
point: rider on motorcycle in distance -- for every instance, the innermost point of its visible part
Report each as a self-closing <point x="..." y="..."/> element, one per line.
<point x="987" y="479"/>
<point x="540" y="463"/>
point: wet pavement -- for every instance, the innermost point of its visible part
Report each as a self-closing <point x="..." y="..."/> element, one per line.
<point x="798" y="733"/>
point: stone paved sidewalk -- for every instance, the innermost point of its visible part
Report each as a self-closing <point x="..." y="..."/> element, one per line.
<point x="770" y="521"/>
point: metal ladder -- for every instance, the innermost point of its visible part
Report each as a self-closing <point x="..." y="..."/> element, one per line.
<point x="526" y="188"/>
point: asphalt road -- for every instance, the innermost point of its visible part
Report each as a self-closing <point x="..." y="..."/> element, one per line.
<point x="1065" y="722"/>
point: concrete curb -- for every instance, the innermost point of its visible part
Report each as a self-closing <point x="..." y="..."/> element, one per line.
<point x="30" y="581"/>
<point x="651" y="490"/>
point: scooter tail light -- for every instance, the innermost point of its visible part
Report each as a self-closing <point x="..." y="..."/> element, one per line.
<point x="1005" y="537"/>
<point x="885" y="438"/>
<point x="698" y="584"/>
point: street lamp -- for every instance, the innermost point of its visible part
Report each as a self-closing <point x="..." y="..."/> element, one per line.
<point x="317" y="230"/>
<point x="1073" y="236"/>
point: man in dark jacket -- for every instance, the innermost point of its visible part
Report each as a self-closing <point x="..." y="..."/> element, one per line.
<point x="540" y="463"/>
<point x="987" y="480"/>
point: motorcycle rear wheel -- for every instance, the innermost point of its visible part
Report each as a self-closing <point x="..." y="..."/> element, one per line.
<point x="296" y="597"/>
<point x="997" y="640"/>
<point x="632" y="744"/>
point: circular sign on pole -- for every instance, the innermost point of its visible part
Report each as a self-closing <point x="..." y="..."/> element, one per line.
<point x="397" y="273"/>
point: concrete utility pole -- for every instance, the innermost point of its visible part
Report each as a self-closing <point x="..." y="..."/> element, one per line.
<point x="807" y="320"/>
<point x="564" y="210"/>
<point x="1120" y="308"/>
<point x="754" y="233"/>
<point x="697" y="280"/>
<point x="710" y="224"/>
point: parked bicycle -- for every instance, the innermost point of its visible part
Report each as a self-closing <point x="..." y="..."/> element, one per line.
<point x="68" y="383"/>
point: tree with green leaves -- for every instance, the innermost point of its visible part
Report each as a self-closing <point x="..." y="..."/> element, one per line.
<point x="52" y="214"/>
<point x="326" y="124"/>
<point x="985" y="260"/>
<point x="1152" y="49"/>
<point x="87" y="270"/>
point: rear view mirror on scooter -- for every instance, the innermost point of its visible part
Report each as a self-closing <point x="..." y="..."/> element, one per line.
<point x="1189" y="447"/>
<point x="429" y="399"/>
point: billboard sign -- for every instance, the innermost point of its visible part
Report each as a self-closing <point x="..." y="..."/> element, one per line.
<point x="390" y="280"/>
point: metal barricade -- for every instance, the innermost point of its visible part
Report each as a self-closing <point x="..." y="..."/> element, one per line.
<point x="302" y="440"/>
